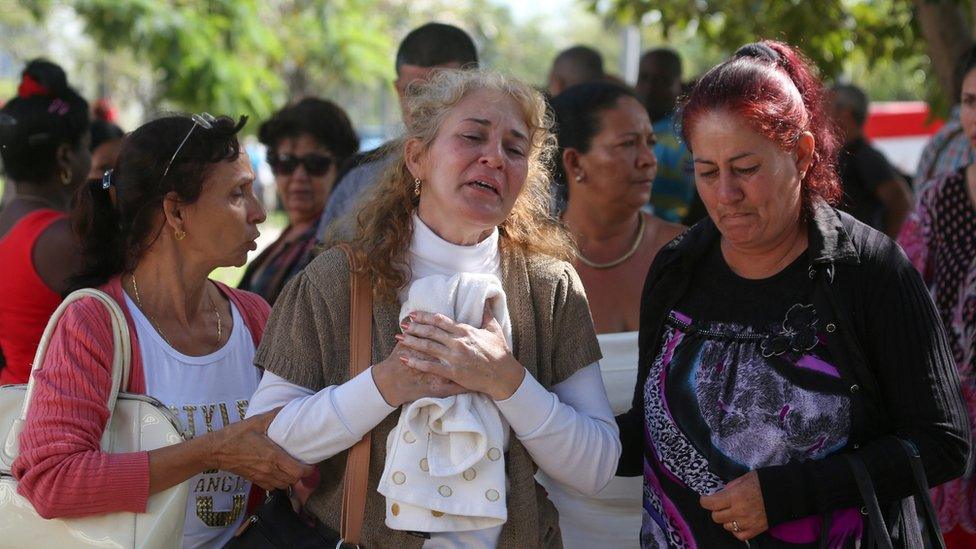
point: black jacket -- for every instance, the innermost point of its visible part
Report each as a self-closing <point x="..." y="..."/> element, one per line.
<point x="892" y="352"/>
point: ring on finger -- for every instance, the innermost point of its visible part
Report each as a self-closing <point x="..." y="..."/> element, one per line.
<point x="735" y="526"/>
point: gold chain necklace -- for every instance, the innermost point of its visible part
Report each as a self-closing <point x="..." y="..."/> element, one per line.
<point x="152" y="319"/>
<point x="633" y="249"/>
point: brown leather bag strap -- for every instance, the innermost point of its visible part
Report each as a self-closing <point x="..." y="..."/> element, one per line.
<point x="354" y="487"/>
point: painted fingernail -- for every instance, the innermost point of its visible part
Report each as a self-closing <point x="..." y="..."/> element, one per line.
<point x="404" y="359"/>
<point x="398" y="337"/>
<point x="413" y="316"/>
<point x="404" y="326"/>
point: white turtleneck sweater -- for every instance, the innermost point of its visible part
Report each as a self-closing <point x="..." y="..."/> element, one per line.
<point x="553" y="426"/>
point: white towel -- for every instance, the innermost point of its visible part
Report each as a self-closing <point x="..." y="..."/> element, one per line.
<point x="445" y="467"/>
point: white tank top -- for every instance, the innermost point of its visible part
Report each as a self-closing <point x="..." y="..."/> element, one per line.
<point x="611" y="518"/>
<point x="206" y="393"/>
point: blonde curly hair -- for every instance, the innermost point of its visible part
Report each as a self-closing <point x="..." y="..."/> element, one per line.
<point x="381" y="229"/>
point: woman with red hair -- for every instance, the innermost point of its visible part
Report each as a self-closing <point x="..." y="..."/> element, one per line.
<point x="779" y="334"/>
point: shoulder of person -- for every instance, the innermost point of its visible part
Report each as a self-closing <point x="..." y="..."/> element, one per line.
<point x="58" y="242"/>
<point x="328" y="272"/>
<point x="88" y="316"/>
<point x="57" y="252"/>
<point x="547" y="270"/>
<point x="366" y="163"/>
<point x="879" y="257"/>
<point x="666" y="230"/>
<point x="252" y="302"/>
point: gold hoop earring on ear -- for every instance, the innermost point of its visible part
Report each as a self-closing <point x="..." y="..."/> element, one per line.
<point x="416" y="186"/>
<point x="180" y="235"/>
<point x="65" y="177"/>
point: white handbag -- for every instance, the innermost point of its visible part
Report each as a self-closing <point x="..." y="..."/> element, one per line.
<point x="135" y="423"/>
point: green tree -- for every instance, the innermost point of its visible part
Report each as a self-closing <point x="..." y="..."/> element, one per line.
<point x="240" y="56"/>
<point x="834" y="33"/>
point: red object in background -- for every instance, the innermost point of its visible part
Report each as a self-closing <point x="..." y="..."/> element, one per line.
<point x="104" y="110"/>
<point x="900" y="119"/>
<point x="29" y="88"/>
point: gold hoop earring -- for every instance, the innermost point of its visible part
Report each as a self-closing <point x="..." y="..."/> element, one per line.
<point x="65" y="177"/>
<point x="416" y="186"/>
<point x="180" y="235"/>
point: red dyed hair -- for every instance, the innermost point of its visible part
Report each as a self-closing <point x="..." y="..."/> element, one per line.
<point x="775" y="89"/>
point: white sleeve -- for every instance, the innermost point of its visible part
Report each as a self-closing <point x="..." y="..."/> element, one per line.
<point x="553" y="426"/>
<point x="313" y="427"/>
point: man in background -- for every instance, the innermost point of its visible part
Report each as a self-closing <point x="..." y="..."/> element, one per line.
<point x="659" y="86"/>
<point x="576" y="65"/>
<point x="874" y="192"/>
<point x="423" y="51"/>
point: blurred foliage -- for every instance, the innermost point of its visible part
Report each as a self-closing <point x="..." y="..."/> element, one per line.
<point x="236" y="56"/>
<point x="877" y="44"/>
<point x="252" y="56"/>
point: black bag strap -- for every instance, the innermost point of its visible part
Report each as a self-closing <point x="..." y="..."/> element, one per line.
<point x="825" y="523"/>
<point x="921" y="493"/>
<point x="879" y="528"/>
<point x="910" y="536"/>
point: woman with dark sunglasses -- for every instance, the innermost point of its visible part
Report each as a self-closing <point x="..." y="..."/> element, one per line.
<point x="307" y="144"/>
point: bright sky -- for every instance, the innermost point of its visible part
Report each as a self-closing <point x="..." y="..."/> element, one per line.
<point x="523" y="9"/>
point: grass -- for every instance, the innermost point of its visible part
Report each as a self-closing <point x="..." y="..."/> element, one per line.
<point x="231" y="276"/>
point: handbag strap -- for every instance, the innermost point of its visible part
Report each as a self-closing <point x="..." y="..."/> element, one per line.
<point x="922" y="496"/>
<point x="121" y="365"/>
<point x="909" y="518"/>
<point x="870" y="498"/>
<point x="355" y="481"/>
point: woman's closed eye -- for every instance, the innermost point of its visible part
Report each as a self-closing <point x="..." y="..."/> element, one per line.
<point x="747" y="170"/>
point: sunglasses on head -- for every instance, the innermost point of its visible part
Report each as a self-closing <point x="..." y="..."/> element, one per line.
<point x="315" y="164"/>
<point x="204" y="120"/>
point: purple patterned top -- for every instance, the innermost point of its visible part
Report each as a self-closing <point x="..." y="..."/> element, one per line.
<point x="722" y="399"/>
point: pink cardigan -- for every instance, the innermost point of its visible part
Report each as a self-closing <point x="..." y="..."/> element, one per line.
<point x="61" y="469"/>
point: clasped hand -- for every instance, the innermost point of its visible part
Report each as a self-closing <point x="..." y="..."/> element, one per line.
<point x="739" y="507"/>
<point x="476" y="359"/>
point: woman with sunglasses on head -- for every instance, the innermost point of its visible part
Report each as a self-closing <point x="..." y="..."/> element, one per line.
<point x="44" y="134"/>
<point x="178" y="205"/>
<point x="307" y="144"/>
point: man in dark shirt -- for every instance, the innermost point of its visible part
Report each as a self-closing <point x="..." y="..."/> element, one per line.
<point x="874" y="192"/>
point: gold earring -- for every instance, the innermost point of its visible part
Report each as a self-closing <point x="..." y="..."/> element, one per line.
<point x="416" y="186"/>
<point x="65" y="177"/>
<point x="180" y="235"/>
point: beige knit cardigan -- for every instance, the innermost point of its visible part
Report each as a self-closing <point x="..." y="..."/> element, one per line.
<point x="306" y="342"/>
